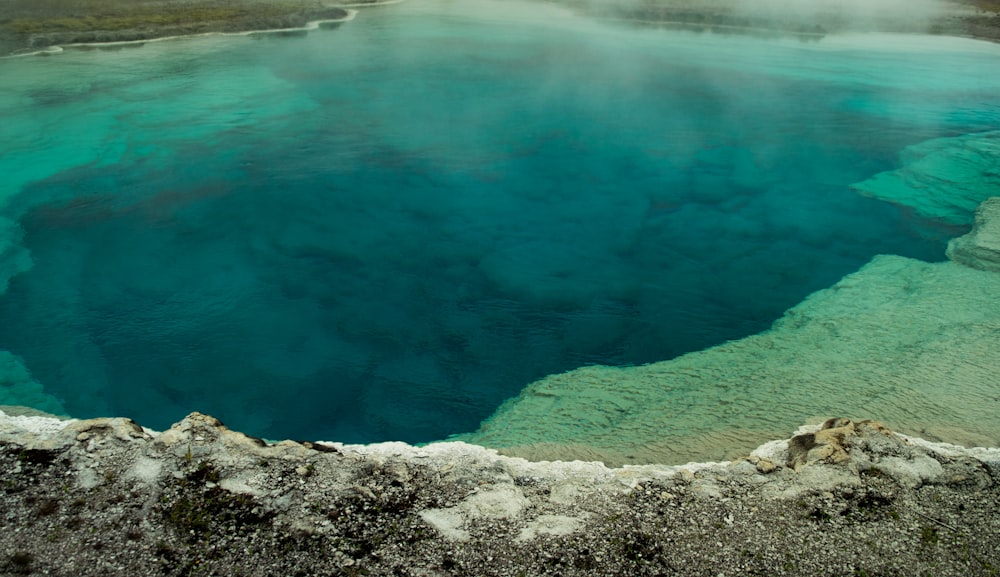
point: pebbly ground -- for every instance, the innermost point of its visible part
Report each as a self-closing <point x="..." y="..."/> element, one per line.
<point x="107" y="497"/>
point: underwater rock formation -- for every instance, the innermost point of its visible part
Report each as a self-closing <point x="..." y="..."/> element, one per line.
<point x="898" y="338"/>
<point x="943" y="179"/>
<point x="981" y="247"/>
<point x="18" y="387"/>
<point x="14" y="259"/>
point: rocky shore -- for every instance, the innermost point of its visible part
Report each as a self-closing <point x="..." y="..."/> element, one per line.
<point x="108" y="497"/>
<point x="30" y="26"/>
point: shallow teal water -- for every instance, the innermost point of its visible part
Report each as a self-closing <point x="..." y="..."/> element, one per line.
<point x="383" y="231"/>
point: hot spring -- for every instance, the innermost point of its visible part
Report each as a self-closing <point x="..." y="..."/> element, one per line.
<point x="383" y="231"/>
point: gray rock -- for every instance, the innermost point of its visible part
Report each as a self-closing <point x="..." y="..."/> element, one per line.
<point x="107" y="496"/>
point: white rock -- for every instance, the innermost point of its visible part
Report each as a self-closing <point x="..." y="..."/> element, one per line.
<point x="448" y="522"/>
<point x="912" y="472"/>
<point x="502" y="502"/>
<point x="550" y="525"/>
<point x="146" y="470"/>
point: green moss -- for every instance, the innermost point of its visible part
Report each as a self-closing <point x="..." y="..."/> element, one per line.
<point x="819" y="515"/>
<point x="20" y="562"/>
<point x="37" y="456"/>
<point x="197" y="513"/>
<point x="164" y="551"/>
<point x="204" y="473"/>
<point x="928" y="536"/>
<point x="47" y="507"/>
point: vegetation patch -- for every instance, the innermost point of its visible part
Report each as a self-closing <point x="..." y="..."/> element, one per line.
<point x="198" y="510"/>
<point x="85" y="21"/>
<point x="20" y="563"/>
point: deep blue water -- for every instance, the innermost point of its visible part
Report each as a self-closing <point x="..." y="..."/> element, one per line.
<point x="414" y="216"/>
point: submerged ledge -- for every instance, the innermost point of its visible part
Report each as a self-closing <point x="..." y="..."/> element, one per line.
<point x="906" y="341"/>
<point x="848" y="498"/>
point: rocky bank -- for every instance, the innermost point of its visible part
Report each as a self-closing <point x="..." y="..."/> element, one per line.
<point x="108" y="497"/>
<point x="33" y="26"/>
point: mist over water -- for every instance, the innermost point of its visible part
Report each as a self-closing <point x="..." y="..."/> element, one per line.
<point x="850" y="15"/>
<point x="798" y="16"/>
<point x="381" y="232"/>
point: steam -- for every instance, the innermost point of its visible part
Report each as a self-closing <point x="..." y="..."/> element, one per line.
<point x="824" y="16"/>
<point x="847" y="15"/>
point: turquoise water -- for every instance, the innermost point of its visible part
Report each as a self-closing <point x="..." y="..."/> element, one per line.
<point x="381" y="232"/>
